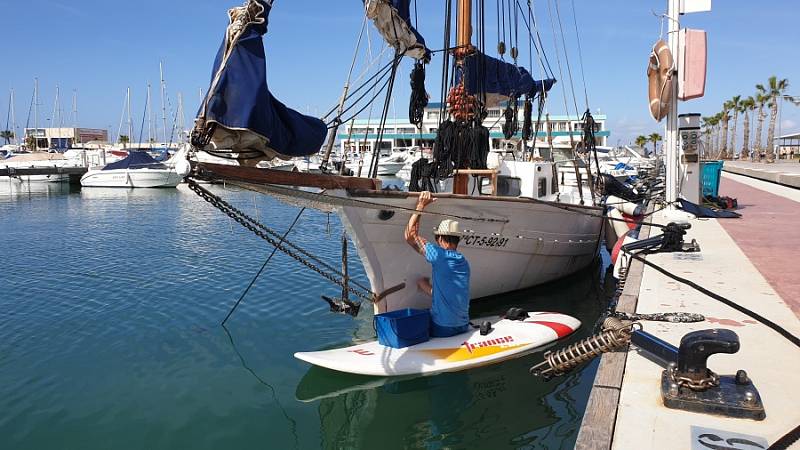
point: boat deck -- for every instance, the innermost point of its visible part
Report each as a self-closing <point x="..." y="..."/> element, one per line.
<point x="743" y="260"/>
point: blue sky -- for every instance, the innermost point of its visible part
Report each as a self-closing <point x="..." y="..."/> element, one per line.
<point x="99" y="48"/>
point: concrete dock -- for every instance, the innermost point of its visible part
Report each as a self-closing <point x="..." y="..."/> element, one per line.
<point x="785" y="172"/>
<point x="751" y="261"/>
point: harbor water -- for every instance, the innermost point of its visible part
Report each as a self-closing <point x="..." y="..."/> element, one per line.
<point x="110" y="309"/>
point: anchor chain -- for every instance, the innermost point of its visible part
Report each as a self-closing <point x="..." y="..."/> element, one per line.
<point x="296" y="253"/>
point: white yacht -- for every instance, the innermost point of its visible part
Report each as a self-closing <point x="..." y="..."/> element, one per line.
<point x="138" y="170"/>
<point x="388" y="166"/>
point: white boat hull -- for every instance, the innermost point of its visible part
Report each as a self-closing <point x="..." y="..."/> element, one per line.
<point x="131" y="178"/>
<point x="385" y="168"/>
<point x="536" y="242"/>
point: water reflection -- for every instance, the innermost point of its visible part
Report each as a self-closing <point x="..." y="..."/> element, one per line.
<point x="14" y="187"/>
<point x="499" y="406"/>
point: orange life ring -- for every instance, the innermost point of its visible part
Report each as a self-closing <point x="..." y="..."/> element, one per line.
<point x="659" y="78"/>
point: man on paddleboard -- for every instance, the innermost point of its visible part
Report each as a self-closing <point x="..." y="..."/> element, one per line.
<point x="450" y="274"/>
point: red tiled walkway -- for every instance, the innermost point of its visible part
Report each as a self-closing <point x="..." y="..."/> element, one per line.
<point x="769" y="234"/>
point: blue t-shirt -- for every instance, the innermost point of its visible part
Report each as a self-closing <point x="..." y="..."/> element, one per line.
<point x="450" y="280"/>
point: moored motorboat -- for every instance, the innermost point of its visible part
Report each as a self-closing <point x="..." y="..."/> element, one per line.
<point x="137" y="170"/>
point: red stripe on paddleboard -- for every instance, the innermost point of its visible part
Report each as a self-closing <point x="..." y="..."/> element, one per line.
<point x="560" y="329"/>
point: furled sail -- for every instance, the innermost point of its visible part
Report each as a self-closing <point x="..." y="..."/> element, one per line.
<point x="392" y="18"/>
<point x="239" y="115"/>
<point x="498" y="79"/>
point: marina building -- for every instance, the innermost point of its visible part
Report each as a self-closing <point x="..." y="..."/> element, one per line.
<point x="362" y="134"/>
<point x="64" y="138"/>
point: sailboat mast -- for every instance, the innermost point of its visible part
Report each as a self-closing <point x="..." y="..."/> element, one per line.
<point x="149" y="117"/>
<point x="13" y="117"/>
<point x="464" y="28"/>
<point x="75" y="108"/>
<point x="163" y="102"/>
<point x="181" y="119"/>
<point x="463" y="105"/>
<point x="130" y="121"/>
<point x="56" y="113"/>
<point x="36" y="113"/>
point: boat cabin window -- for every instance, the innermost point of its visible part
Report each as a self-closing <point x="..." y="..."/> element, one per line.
<point x="508" y="186"/>
<point x="542" y="187"/>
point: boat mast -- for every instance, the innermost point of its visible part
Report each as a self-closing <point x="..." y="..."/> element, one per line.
<point x="56" y="110"/>
<point x="149" y="117"/>
<point x="181" y="119"/>
<point x="163" y="102"/>
<point x="464" y="29"/>
<point x="75" y="108"/>
<point x="36" y="113"/>
<point x="130" y="121"/>
<point x="463" y="49"/>
<point x="13" y="115"/>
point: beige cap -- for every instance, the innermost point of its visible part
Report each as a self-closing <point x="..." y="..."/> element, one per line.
<point x="447" y="227"/>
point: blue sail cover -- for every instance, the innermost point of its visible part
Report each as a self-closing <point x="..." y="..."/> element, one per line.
<point x="136" y="159"/>
<point x="392" y="18"/>
<point x="239" y="99"/>
<point x="501" y="78"/>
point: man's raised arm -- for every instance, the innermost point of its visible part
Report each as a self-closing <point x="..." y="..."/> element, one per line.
<point x="412" y="236"/>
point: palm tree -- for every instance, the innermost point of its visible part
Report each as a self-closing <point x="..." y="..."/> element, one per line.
<point x="718" y="119"/>
<point x="708" y="127"/>
<point x="775" y="89"/>
<point x="736" y="104"/>
<point x="641" y="141"/>
<point x="30" y="143"/>
<point x="123" y="139"/>
<point x="713" y="148"/>
<point x="726" y="117"/>
<point x="8" y="135"/>
<point x="654" y="138"/>
<point x="747" y="105"/>
<point x="762" y="99"/>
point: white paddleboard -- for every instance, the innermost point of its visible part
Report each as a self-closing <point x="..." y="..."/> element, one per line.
<point x="508" y="339"/>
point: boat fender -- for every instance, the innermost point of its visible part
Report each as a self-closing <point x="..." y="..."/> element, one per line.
<point x="183" y="168"/>
<point x="659" y="80"/>
<point x="516" y="314"/>
<point x="486" y="327"/>
<point x="630" y="208"/>
<point x="617" y="222"/>
<point x="617" y="248"/>
<point x="632" y="221"/>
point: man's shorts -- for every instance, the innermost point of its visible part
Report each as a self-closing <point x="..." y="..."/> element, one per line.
<point x="441" y="331"/>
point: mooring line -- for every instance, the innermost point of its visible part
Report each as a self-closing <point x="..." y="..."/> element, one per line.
<point x="263" y="266"/>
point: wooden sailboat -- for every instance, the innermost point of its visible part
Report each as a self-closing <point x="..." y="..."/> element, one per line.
<point x="520" y="232"/>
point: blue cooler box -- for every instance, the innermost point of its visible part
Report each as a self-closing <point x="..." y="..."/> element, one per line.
<point x="403" y="328"/>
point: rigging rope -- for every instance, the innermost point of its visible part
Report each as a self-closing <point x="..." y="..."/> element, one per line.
<point x="580" y="53"/>
<point x="373" y="172"/>
<point x="566" y="57"/>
